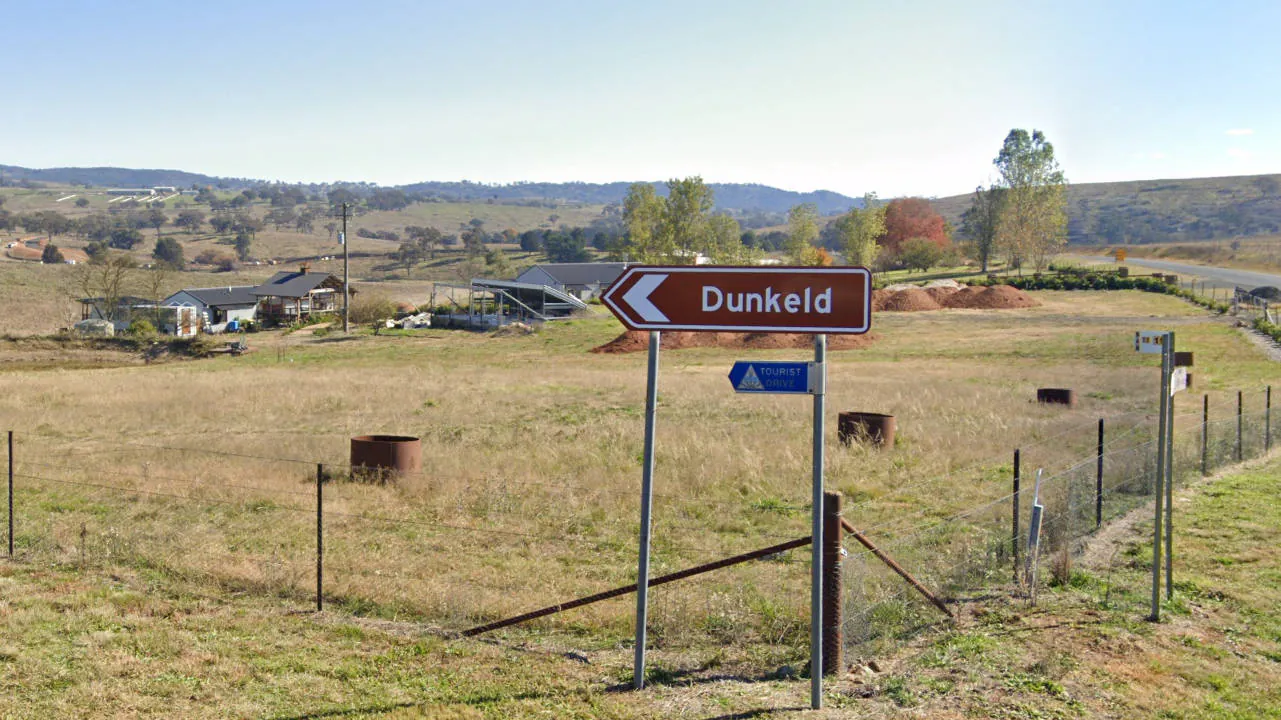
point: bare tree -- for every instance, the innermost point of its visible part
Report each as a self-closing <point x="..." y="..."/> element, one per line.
<point x="107" y="282"/>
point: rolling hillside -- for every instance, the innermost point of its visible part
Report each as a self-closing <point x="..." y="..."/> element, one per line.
<point x="1150" y="211"/>
<point x="729" y="196"/>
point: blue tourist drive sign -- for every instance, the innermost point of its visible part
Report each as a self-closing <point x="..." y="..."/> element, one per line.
<point x="752" y="376"/>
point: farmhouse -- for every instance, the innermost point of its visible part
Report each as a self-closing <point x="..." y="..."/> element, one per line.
<point x="582" y="280"/>
<point x="218" y="307"/>
<point x="291" y="296"/>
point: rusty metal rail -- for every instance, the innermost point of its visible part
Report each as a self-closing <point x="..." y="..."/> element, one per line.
<point x="849" y="528"/>
<point x="628" y="589"/>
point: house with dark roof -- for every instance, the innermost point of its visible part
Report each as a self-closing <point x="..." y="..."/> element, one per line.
<point x="291" y="296"/>
<point x="582" y="280"/>
<point x="216" y="307"/>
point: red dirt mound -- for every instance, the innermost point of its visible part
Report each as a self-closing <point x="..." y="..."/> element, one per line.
<point x="964" y="297"/>
<point x="638" y="341"/>
<point x="941" y="294"/>
<point x="880" y="298"/>
<point x="997" y="297"/>
<point x="913" y="300"/>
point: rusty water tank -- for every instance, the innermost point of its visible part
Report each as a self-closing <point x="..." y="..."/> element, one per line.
<point x="1056" y="396"/>
<point x="875" y="428"/>
<point x="387" y="454"/>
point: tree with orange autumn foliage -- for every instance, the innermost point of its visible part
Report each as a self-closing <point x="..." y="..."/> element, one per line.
<point x="907" y="218"/>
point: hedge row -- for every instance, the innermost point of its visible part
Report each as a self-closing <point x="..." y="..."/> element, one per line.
<point x="1106" y="281"/>
<point x="1272" y="330"/>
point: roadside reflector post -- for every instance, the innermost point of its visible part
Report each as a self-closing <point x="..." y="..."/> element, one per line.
<point x="1267" y="420"/>
<point x="647" y="499"/>
<point x="1034" y="537"/>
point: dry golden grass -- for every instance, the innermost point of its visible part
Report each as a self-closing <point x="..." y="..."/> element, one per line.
<point x="531" y="451"/>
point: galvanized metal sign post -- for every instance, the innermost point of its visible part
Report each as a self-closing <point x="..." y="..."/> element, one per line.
<point x="1178" y="381"/>
<point x="744" y="299"/>
<point x="1152" y="342"/>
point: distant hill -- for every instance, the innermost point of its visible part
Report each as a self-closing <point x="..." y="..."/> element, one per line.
<point x="109" y="177"/>
<point x="1150" y="211"/>
<point x="1146" y="211"/>
<point x="729" y="196"/>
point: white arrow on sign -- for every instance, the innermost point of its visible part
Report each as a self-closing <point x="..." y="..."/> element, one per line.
<point x="638" y="298"/>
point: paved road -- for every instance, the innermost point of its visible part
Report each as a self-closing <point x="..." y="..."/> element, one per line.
<point x="1222" y="277"/>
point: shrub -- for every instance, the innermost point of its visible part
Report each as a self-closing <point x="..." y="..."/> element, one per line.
<point x="372" y="308"/>
<point x="141" y="328"/>
<point x="1272" y="330"/>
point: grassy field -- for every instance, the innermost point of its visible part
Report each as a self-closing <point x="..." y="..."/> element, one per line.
<point x="1085" y="651"/>
<point x="173" y="505"/>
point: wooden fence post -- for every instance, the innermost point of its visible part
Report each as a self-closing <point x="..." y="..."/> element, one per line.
<point x="833" y="595"/>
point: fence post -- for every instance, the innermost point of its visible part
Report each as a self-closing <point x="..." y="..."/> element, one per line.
<point x="320" y="537"/>
<point x="1240" y="424"/>
<point x="1267" y="420"/>
<point x="1016" y="515"/>
<point x="1205" y="435"/>
<point x="10" y="494"/>
<point x="833" y="620"/>
<point x="1098" y="482"/>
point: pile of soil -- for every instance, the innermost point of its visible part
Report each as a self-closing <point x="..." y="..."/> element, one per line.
<point x="963" y="298"/>
<point x="880" y="298"/>
<point x="638" y="341"/>
<point x="911" y="300"/>
<point x="936" y="296"/>
<point x="997" y="297"/>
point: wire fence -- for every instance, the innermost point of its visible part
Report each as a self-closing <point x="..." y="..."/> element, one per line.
<point x="988" y="544"/>
<point x="451" y="552"/>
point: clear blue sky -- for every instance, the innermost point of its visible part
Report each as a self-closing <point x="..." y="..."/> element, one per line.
<point x="897" y="98"/>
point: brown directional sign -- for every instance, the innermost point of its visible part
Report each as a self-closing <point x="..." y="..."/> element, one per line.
<point x="715" y="298"/>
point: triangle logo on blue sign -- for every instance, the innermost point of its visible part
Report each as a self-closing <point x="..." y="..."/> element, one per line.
<point x="750" y="381"/>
